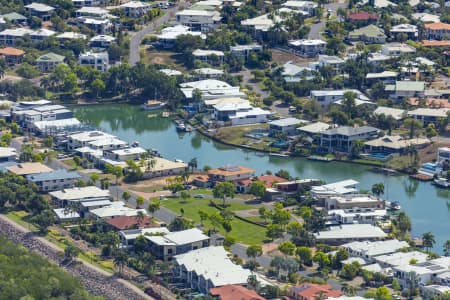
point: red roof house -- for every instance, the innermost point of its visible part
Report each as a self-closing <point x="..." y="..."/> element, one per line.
<point x="235" y="292"/>
<point x="310" y="291"/>
<point x="130" y="222"/>
<point x="362" y="16"/>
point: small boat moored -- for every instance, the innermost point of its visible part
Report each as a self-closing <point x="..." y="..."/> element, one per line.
<point x="153" y="105"/>
<point x="442" y="182"/>
<point x="393" y="205"/>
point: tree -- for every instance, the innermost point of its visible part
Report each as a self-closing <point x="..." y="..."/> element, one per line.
<point x="378" y="189"/>
<point x="184" y="196"/>
<point x="356" y="148"/>
<point x="203" y="216"/>
<point x="254" y="251"/>
<point x="216" y="220"/>
<point x="396" y="285"/>
<point x="287" y="248"/>
<point x="154" y="206"/>
<point x="120" y="261"/>
<point x="193" y="164"/>
<point x="274" y="231"/>
<point x="70" y="252"/>
<point x="258" y="188"/>
<point x="447" y="248"/>
<point x="428" y="240"/>
<point x="403" y="223"/>
<point x="140" y="216"/>
<point x="322" y="259"/>
<point x="304" y="255"/>
<point x="349" y="104"/>
<point x="139" y="201"/>
<point x="43" y="220"/>
<point x="413" y="126"/>
<point x="295" y="229"/>
<point x="126" y="196"/>
<point x="224" y="190"/>
<point x="350" y="271"/>
<point x="94" y="178"/>
<point x="283" y="174"/>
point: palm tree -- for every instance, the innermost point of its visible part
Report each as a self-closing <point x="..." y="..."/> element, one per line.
<point x="428" y="240"/>
<point x="154" y="206"/>
<point x="120" y="260"/>
<point x="378" y="189"/>
<point x="139" y="201"/>
<point x="193" y="164"/>
<point x="126" y="196"/>
<point x="447" y="248"/>
<point x="140" y="216"/>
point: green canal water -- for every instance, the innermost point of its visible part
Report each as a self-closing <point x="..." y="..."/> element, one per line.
<point x="427" y="206"/>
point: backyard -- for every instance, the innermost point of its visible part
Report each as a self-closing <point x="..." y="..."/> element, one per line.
<point x="242" y="231"/>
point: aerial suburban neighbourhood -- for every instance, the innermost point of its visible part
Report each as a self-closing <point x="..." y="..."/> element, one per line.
<point x="225" y="149"/>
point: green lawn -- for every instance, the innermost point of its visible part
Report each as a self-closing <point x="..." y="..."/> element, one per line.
<point x="243" y="232"/>
<point x="19" y="217"/>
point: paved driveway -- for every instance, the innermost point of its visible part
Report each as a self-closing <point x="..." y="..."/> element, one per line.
<point x="317" y="28"/>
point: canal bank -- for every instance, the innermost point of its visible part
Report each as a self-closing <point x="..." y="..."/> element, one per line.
<point x="428" y="207"/>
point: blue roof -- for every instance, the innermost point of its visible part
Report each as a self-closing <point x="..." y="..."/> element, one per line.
<point x="53" y="175"/>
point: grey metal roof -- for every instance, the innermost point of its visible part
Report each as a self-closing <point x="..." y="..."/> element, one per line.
<point x="347" y="130"/>
<point x="53" y="175"/>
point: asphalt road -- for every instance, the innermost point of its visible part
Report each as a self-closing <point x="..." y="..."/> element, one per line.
<point x="317" y="28"/>
<point x="136" y="39"/>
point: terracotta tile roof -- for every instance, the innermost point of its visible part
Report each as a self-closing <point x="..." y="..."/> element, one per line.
<point x="201" y="178"/>
<point x="309" y="291"/>
<point x="433" y="43"/>
<point x="235" y="292"/>
<point x="437" y="26"/>
<point x="269" y="179"/>
<point x="361" y="16"/>
<point x="129" y="222"/>
<point x="230" y="170"/>
<point x="11" y="51"/>
<point x="431" y="102"/>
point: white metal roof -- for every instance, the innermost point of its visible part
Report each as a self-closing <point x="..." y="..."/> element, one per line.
<point x="179" y="237"/>
<point x="351" y="231"/>
<point x="6" y="152"/>
<point x="287" y="122"/>
<point x="65" y="214"/>
<point x="42" y="125"/>
<point x="315" y="127"/>
<point x="39" y="7"/>
<point x="213" y="263"/>
<point x="430" y="112"/>
<point x="201" y="52"/>
<point x="87" y="136"/>
<point x="80" y="193"/>
<point x="376" y="248"/>
<point x="340" y="187"/>
<point x="131" y="234"/>
<point x="401" y="258"/>
<point x="116" y="209"/>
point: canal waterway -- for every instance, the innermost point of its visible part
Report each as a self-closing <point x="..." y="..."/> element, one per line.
<point x="427" y="206"/>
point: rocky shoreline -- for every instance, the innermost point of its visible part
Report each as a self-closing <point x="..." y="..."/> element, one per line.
<point x="94" y="281"/>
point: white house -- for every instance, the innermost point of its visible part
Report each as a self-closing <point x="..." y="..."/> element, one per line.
<point x="308" y="7"/>
<point x="99" y="61"/>
<point x="420" y="274"/>
<point x="176" y="243"/>
<point x="326" y="97"/>
<point x="397" y="49"/>
<point x="209" y="56"/>
<point x="337" y="188"/>
<point x="135" y="9"/>
<point x="163" y="167"/>
<point x="10" y="36"/>
<point x="54" y="180"/>
<point x="92" y="11"/>
<point x="239" y="113"/>
<point x="245" y="50"/>
<point x="81" y="139"/>
<point x="349" y="200"/>
<point x="350" y="232"/>
<point x="101" y="41"/>
<point x="387" y="77"/>
<point x="368" y="250"/>
<point x="429" y="115"/>
<point x="411" y="31"/>
<point x="294" y="73"/>
<point x="327" y="60"/>
<point x="69" y="35"/>
<point x="62" y="198"/>
<point x="357" y="215"/>
<point x="169" y="34"/>
<point x="125" y="154"/>
<point x="211" y="89"/>
<point x="209" y="267"/>
<point x="307" y="48"/>
<point x="107" y="144"/>
<point x="287" y="126"/>
<point x="341" y="138"/>
<point x="199" y="20"/>
<point x="41" y="34"/>
<point x="40" y="10"/>
<point x="401" y="258"/>
<point x="7" y="154"/>
<point x="114" y="210"/>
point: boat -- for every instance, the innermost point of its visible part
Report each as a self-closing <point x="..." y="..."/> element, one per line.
<point x="442" y="182"/>
<point x="385" y="171"/>
<point x="392" y="205"/>
<point x="153" y="105"/>
<point x="320" y="158"/>
<point x="181" y="127"/>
